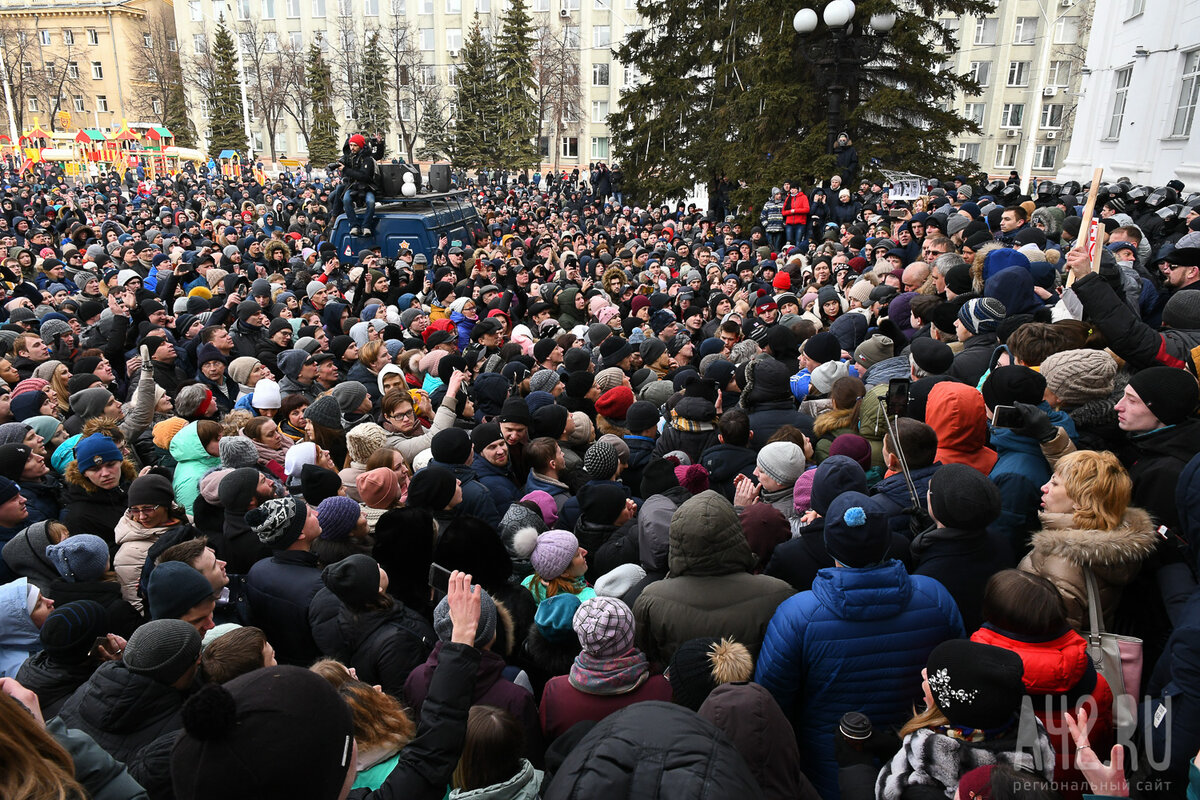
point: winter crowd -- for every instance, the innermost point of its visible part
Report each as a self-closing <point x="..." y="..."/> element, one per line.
<point x="892" y="500"/>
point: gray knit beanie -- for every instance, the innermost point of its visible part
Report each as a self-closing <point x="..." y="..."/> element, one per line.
<point x="90" y="403"/>
<point x="349" y="395"/>
<point x="783" y="462"/>
<point x="1079" y="376"/>
<point x="1182" y="311"/>
<point x="162" y="649"/>
<point x="238" y="451"/>
<point x="325" y="411"/>
<point x="484" y="633"/>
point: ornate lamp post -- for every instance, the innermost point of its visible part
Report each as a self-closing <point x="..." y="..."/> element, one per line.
<point x="839" y="57"/>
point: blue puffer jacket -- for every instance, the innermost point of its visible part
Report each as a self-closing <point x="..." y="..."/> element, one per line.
<point x="856" y="642"/>
<point x="498" y="482"/>
<point x="1020" y="472"/>
<point x="19" y="637"/>
<point x="476" y="499"/>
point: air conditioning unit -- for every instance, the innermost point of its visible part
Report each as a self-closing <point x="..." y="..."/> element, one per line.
<point x="1065" y="3"/>
<point x="454" y="54"/>
<point x="564" y="13"/>
<point x="1052" y="134"/>
<point x="1049" y="91"/>
<point x="1012" y="133"/>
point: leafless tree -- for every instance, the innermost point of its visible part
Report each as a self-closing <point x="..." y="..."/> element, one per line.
<point x="266" y="85"/>
<point x="156" y="67"/>
<point x="413" y="95"/>
<point x="556" y="73"/>
<point x="345" y="62"/>
<point x="294" y="86"/>
<point x="43" y="73"/>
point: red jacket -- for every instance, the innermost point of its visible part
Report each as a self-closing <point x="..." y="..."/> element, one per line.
<point x="1059" y="675"/>
<point x="795" y="209"/>
<point x="563" y="705"/>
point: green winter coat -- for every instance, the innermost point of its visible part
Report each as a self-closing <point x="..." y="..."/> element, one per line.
<point x="191" y="462"/>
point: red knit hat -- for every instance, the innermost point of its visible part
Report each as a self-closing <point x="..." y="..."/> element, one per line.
<point x="782" y="282"/>
<point x="615" y="403"/>
<point x="359" y="140"/>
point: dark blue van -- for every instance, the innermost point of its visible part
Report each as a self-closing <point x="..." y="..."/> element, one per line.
<point x="420" y="221"/>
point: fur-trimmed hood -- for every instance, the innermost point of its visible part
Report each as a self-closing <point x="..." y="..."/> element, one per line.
<point x="831" y="420"/>
<point x="1132" y="542"/>
<point x="273" y="245"/>
<point x="76" y="478"/>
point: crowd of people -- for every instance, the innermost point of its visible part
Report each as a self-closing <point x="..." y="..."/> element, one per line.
<point x="605" y="501"/>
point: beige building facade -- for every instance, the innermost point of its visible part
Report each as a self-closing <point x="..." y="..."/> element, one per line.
<point x="84" y="64"/>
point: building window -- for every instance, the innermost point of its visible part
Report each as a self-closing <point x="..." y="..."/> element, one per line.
<point x="1066" y="30"/>
<point x="243" y="9"/>
<point x="600" y="74"/>
<point x="97" y="71"/>
<point x="570" y="115"/>
<point x="427" y="39"/>
<point x="483" y="6"/>
<point x="544" y="146"/>
<point x="77" y="103"/>
<point x="371" y="8"/>
<point x="345" y="9"/>
<point x="198" y="43"/>
<point x="600" y="148"/>
<point x="1136" y="8"/>
<point x="1025" y="31"/>
<point x="73" y="70"/>
<point x="630" y="76"/>
<point x="296" y="40"/>
<point x="258" y="142"/>
<point x="601" y="36"/>
<point x="985" y="30"/>
<point x="101" y="102"/>
<point x="454" y="38"/>
<point x="26" y="69"/>
<point x="44" y="37"/>
<point x="195" y="12"/>
<point x="453" y="6"/>
<point x="571" y="35"/>
<point x="426" y="75"/>
<point x="68" y="36"/>
<point x="172" y="44"/>
<point x="1059" y="74"/>
<point x="570" y="147"/>
<point x="156" y="105"/>
<point x="975" y="112"/>
<point x="1013" y="115"/>
<point x="50" y="70"/>
<point x="570" y="5"/>
<point x="147" y="40"/>
<point x="32" y="104"/>
<point x="968" y="151"/>
<point x="541" y="5"/>
<point x="981" y="73"/>
<point x="271" y="43"/>
<point x="152" y="74"/>
<point x="301" y="143"/>
<point x="426" y="7"/>
<point x="599" y="111"/>
<point x="1018" y="73"/>
<point x="1045" y="156"/>
<point x="1052" y="115"/>
<point x="1117" y="118"/>
<point x="293" y="9"/>
<point x="268" y="9"/>
<point x="1185" y="110"/>
<point x="1006" y="155"/>
<point x="319" y="8"/>
<point x="281" y="144"/>
<point x="92" y="36"/>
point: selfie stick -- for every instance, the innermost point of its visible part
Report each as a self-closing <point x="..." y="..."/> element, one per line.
<point x="912" y="489"/>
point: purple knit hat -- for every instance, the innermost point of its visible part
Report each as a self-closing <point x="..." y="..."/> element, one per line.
<point x="554" y="552"/>
<point x="546" y="504"/>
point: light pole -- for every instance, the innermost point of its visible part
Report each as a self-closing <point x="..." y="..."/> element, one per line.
<point x="840" y="56"/>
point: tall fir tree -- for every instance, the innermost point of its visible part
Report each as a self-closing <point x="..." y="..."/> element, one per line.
<point x="226" y="127"/>
<point x="178" y="121"/>
<point x="726" y="90"/>
<point x="374" y="109"/>
<point x="476" y="121"/>
<point x="323" y="140"/>
<point x="516" y="88"/>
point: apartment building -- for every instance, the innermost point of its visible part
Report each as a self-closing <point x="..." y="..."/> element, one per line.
<point x="1027" y="57"/>
<point x="1141" y="84"/>
<point x="90" y="63"/>
<point x="587" y="29"/>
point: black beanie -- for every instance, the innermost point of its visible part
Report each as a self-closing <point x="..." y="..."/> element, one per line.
<point x="354" y="579"/>
<point x="963" y="497"/>
<point x="601" y="503"/>
<point x="484" y="435"/>
<point x="658" y="476"/>
<point x="976" y="685"/>
<point x="431" y="488"/>
<point x="516" y="411"/>
<point x="318" y="483"/>
<point x="579" y="383"/>
<point x="71" y="629"/>
<point x="550" y="421"/>
<point x="691" y="672"/>
<point x="13" y="457"/>
<point x="451" y="446"/>
<point x="151" y="490"/>
<point x="1171" y="394"/>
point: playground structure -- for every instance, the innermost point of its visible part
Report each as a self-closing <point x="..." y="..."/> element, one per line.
<point x="89" y="152"/>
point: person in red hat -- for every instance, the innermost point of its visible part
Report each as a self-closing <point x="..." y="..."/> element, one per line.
<point x="358" y="178"/>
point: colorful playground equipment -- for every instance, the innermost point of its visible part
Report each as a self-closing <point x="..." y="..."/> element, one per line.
<point x="89" y="152"/>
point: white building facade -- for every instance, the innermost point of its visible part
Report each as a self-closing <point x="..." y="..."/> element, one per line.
<point x="1026" y="56"/>
<point x="1136" y="118"/>
<point x="591" y="28"/>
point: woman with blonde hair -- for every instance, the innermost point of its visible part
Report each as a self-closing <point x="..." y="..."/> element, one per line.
<point x="381" y="728"/>
<point x="57" y="374"/>
<point x="1088" y="525"/>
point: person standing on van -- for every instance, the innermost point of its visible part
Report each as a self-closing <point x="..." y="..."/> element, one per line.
<point x="358" y="176"/>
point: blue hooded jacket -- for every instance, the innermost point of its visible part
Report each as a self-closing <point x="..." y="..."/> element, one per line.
<point x="856" y="642"/>
<point x="1019" y="473"/>
<point x="19" y="637"/>
<point x="1014" y="288"/>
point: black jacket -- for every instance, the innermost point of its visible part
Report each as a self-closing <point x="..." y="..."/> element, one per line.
<point x="766" y="418"/>
<point x="237" y="545"/>
<point x="724" y="463"/>
<point x="123" y="618"/>
<point x="281" y="589"/>
<point x="53" y="682"/>
<point x="652" y="750"/>
<point x="962" y="561"/>
<point x="1157" y="463"/>
<point x="973" y="360"/>
<point x="123" y="711"/>
<point x="383" y="646"/>
<point x="798" y="560"/>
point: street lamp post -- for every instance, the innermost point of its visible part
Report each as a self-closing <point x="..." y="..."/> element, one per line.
<point x="843" y="53"/>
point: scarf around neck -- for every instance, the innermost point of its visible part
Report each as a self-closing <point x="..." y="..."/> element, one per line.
<point x="609" y="676"/>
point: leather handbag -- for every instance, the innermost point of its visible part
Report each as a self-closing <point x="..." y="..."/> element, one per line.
<point x="1118" y="658"/>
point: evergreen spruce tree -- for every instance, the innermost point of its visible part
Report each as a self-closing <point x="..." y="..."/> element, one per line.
<point x="515" y="89"/>
<point x="729" y="92"/>
<point x="177" y="117"/>
<point x="477" y="136"/>
<point x="323" y="139"/>
<point x="374" y="111"/>
<point x="226" y="129"/>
